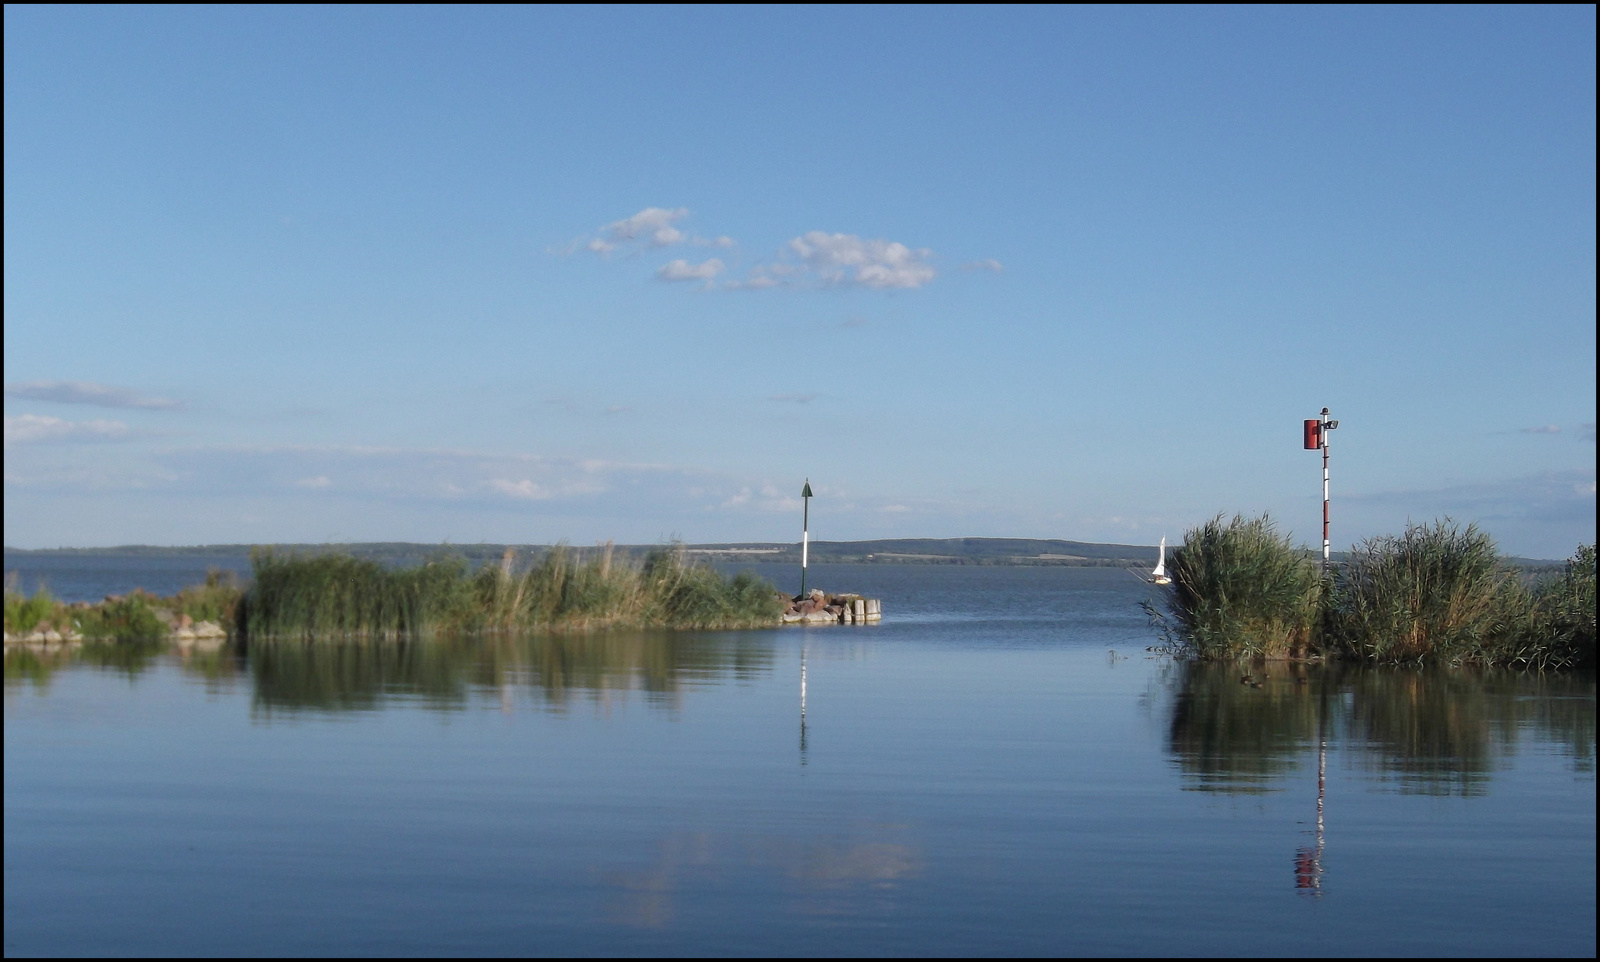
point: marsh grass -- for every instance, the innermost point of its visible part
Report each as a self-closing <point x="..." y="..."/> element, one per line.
<point x="1240" y="590"/>
<point x="340" y="596"/>
<point x="1562" y="616"/>
<point x="1437" y="593"/>
<point x="216" y="600"/>
<point x="24" y="613"/>
<point x="129" y="618"/>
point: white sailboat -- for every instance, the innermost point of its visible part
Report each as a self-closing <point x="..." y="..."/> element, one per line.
<point x="1159" y="575"/>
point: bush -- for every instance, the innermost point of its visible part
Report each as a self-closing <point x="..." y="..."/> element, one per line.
<point x="214" y="601"/>
<point x="1563" y="614"/>
<point x="24" y="614"/>
<point x="130" y="618"/>
<point x="1435" y="593"/>
<point x="342" y="596"/>
<point x="1240" y="590"/>
<point x="338" y="595"/>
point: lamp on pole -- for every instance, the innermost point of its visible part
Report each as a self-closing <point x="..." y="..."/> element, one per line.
<point x="1316" y="436"/>
<point x="805" y="532"/>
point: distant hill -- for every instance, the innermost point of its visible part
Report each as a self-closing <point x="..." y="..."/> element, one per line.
<point x="939" y="551"/>
<point x="985" y="551"/>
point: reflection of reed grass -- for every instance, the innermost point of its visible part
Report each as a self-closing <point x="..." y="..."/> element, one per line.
<point x="1239" y="735"/>
<point x="361" y="674"/>
<point x="1429" y="731"/>
<point x="342" y="596"/>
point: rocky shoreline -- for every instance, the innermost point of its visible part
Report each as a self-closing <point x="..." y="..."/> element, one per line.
<point x="817" y="607"/>
<point x="62" y="629"/>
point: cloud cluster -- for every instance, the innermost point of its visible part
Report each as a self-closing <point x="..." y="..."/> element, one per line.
<point x="38" y="428"/>
<point x="1584" y="432"/>
<point x="814" y="259"/>
<point x="682" y="270"/>
<point x="651" y="227"/>
<point x="845" y="259"/>
<point x="86" y="392"/>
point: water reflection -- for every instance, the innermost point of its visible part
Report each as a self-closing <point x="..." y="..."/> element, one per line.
<point x="555" y="669"/>
<point x="1430" y="732"/>
<point x="335" y="676"/>
<point x="850" y="874"/>
<point x="36" y="666"/>
<point x="1435" y="732"/>
<point x="802" y="704"/>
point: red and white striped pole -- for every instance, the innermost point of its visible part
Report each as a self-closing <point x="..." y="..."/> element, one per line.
<point x="1316" y="436"/>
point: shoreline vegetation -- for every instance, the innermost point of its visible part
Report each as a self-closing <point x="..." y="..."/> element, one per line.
<point x="1437" y="594"/>
<point x="335" y="595"/>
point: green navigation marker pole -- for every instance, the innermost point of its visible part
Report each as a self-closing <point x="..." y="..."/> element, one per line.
<point x="805" y="533"/>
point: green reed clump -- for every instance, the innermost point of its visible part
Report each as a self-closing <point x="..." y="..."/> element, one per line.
<point x="1562" y="615"/>
<point x="338" y="595"/>
<point x="128" y="618"/>
<point x="24" y="614"/>
<point x="565" y="590"/>
<point x="1238" y="589"/>
<point x="1437" y="593"/>
<point x="343" y="596"/>
<point x="216" y="600"/>
<point x="696" y="596"/>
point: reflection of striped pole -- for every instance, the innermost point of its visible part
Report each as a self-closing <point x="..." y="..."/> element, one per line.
<point x="802" y="704"/>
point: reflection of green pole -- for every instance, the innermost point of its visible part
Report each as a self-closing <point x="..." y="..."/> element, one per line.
<point x="805" y="533"/>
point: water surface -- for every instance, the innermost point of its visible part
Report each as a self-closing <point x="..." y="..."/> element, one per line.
<point x="999" y="768"/>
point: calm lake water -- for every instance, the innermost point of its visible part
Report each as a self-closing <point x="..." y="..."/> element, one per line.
<point x="1001" y="767"/>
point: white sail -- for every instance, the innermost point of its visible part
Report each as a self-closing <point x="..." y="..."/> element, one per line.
<point x="1159" y="575"/>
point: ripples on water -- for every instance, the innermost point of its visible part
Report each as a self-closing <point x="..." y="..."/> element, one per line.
<point x="999" y="768"/>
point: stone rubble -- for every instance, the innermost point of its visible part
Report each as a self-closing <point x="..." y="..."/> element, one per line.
<point x="817" y="607"/>
<point x="181" y="629"/>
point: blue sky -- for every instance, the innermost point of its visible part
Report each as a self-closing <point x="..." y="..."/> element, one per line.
<point x="517" y="275"/>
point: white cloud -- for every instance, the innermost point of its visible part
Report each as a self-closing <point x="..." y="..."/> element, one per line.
<point x="38" y="428"/>
<point x="815" y="258"/>
<point x="521" y="489"/>
<point x="320" y="481"/>
<point x="850" y="260"/>
<point x="1547" y="429"/>
<point x="682" y="270"/>
<point x="755" y="282"/>
<point x="87" y="392"/>
<point x="793" y="398"/>
<point x="651" y="226"/>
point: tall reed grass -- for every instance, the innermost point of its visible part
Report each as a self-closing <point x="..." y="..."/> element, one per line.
<point x="1436" y="593"/>
<point x="336" y="595"/>
<point x="1238" y="589"/>
<point x="1563" y="614"/>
